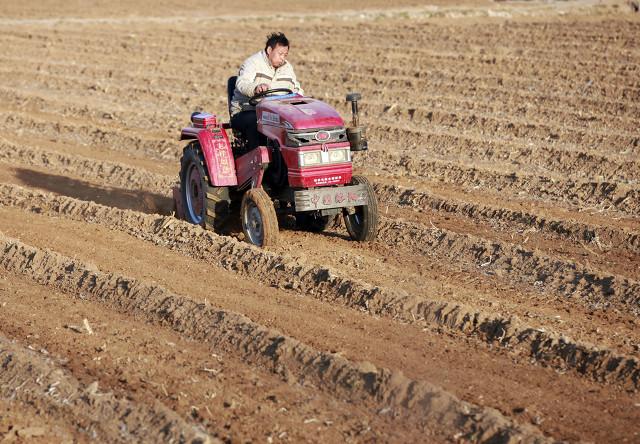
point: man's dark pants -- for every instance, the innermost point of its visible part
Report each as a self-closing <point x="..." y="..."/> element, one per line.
<point x="246" y="123"/>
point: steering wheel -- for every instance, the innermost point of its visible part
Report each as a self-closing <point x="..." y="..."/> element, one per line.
<point x="253" y="101"/>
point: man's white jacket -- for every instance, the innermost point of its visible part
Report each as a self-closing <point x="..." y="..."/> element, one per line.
<point x="256" y="70"/>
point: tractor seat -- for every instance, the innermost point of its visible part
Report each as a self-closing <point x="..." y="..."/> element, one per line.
<point x="239" y="142"/>
<point x="231" y="87"/>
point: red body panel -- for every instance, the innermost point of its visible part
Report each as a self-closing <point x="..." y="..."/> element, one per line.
<point x="298" y="113"/>
<point x="316" y="176"/>
<point x="252" y="165"/>
<point x="217" y="153"/>
<point x="320" y="176"/>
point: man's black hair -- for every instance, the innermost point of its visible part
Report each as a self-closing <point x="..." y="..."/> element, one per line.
<point x="276" y="38"/>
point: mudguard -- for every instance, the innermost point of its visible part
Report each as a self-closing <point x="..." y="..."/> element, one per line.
<point x="217" y="152"/>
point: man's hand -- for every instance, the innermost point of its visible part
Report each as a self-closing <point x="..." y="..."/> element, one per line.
<point x="261" y="88"/>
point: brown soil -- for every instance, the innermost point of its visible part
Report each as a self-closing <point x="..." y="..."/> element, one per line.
<point x="499" y="303"/>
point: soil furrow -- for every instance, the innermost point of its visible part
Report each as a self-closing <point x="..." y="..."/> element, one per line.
<point x="567" y="229"/>
<point x="325" y="284"/>
<point x="503" y="150"/>
<point x="419" y="116"/>
<point x="483" y="93"/>
<point x="90" y="134"/>
<point x="578" y="163"/>
<point x="435" y="65"/>
<point x="587" y="129"/>
<point x="435" y="82"/>
<point x="524" y="154"/>
<point x="623" y="198"/>
<point x="569" y="138"/>
<point x="618" y="142"/>
<point x="206" y="386"/>
<point x="355" y="381"/>
<point x="110" y="173"/>
<point x="30" y="377"/>
<point x="412" y="76"/>
<point x="514" y="60"/>
<point x="563" y="278"/>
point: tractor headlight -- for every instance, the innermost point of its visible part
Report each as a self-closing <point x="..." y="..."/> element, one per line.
<point x="313" y="158"/>
<point x="310" y="158"/>
<point x="337" y="156"/>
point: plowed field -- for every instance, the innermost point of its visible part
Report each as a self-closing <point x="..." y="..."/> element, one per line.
<point x="499" y="303"/>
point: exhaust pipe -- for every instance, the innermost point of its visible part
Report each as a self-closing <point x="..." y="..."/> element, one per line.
<point x="356" y="133"/>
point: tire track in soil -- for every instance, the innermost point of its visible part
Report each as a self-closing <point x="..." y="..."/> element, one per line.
<point x="323" y="283"/>
<point x="362" y="382"/>
<point x="29" y="377"/>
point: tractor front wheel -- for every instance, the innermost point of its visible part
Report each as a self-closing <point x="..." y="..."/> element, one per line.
<point x="204" y="204"/>
<point x="362" y="221"/>
<point x="259" y="220"/>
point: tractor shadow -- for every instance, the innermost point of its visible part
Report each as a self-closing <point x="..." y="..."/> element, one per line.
<point x="142" y="201"/>
<point x="334" y="229"/>
<point x="287" y="223"/>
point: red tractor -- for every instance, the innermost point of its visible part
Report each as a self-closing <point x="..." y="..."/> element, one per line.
<point x="304" y="170"/>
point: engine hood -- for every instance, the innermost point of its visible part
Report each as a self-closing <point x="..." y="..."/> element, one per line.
<point x="298" y="113"/>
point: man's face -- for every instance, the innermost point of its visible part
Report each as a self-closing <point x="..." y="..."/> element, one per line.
<point x="278" y="55"/>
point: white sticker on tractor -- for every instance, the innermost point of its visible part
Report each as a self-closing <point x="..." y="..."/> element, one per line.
<point x="268" y="117"/>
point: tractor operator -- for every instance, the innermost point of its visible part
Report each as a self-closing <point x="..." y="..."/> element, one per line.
<point x="267" y="69"/>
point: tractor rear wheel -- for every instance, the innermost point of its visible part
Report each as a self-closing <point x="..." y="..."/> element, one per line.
<point x="204" y="204"/>
<point x="362" y="221"/>
<point x="259" y="220"/>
